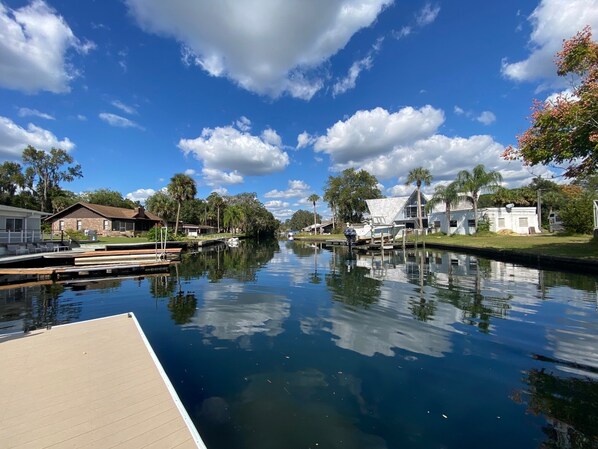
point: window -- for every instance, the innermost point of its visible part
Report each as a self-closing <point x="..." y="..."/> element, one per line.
<point x="79" y="225"/>
<point x="437" y="224"/>
<point x="453" y="224"/>
<point x="106" y="225"/>
<point x="501" y="222"/>
<point x="523" y="222"/>
<point x="471" y="223"/>
<point x="14" y="224"/>
<point x="61" y="225"/>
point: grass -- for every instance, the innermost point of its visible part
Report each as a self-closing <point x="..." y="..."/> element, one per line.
<point x="576" y="246"/>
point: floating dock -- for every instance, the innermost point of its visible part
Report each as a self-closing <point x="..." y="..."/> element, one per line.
<point x="93" y="384"/>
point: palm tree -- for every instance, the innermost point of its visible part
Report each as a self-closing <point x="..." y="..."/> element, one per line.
<point x="419" y="176"/>
<point x="181" y="188"/>
<point x="447" y="194"/>
<point x="314" y="199"/>
<point x="233" y="216"/>
<point x="473" y="183"/>
<point x="216" y="202"/>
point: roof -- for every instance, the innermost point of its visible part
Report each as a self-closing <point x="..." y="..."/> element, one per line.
<point x="4" y="210"/>
<point x="112" y="212"/>
<point x="385" y="210"/>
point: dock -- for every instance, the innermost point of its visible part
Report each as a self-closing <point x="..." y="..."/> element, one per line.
<point x="93" y="384"/>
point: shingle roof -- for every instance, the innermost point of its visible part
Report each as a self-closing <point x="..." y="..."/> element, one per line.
<point x="112" y="212"/>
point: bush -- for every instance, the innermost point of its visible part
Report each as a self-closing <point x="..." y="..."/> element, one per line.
<point x="577" y="214"/>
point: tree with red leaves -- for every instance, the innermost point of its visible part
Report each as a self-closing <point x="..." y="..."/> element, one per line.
<point x="565" y="131"/>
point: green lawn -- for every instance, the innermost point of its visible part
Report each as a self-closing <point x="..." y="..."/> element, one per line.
<point x="578" y="246"/>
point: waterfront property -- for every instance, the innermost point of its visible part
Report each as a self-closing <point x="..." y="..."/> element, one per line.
<point x="105" y="220"/>
<point x="18" y="225"/>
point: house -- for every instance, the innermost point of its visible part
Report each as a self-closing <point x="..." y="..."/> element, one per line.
<point x="320" y="228"/>
<point x="19" y="225"/>
<point x="519" y="220"/>
<point x="105" y="220"/>
<point x="191" y="230"/>
<point x="397" y="211"/>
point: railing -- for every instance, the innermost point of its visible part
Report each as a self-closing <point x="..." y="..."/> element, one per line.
<point x="29" y="236"/>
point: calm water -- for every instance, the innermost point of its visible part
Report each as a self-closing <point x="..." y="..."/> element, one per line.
<point x="291" y="346"/>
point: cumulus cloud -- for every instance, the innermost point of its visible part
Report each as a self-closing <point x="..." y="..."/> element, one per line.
<point x="190" y="172"/>
<point x="242" y="40"/>
<point x="551" y="21"/>
<point x="215" y="177"/>
<point x="244" y="124"/>
<point x="280" y="209"/>
<point x="296" y="189"/>
<point x="304" y="139"/>
<point x="26" y="112"/>
<point x="14" y="139"/>
<point x="140" y="195"/>
<point x="124" y="107"/>
<point x="222" y="191"/>
<point x="486" y="117"/>
<point x="34" y="47"/>
<point x="370" y="133"/>
<point x="118" y="121"/>
<point x="243" y="154"/>
<point x="270" y="136"/>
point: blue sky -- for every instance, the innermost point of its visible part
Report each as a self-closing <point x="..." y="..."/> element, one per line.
<point x="274" y="96"/>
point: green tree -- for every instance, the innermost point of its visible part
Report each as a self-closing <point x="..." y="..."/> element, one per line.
<point x="565" y="131"/>
<point x="107" y="197"/>
<point x="419" y="176"/>
<point x="233" y="217"/>
<point x="11" y="179"/>
<point x="181" y="188"/>
<point x="313" y="198"/>
<point x="348" y="191"/>
<point x="447" y="194"/>
<point x="300" y="219"/>
<point x="577" y="212"/>
<point x="192" y="211"/>
<point x="47" y="171"/>
<point x="474" y="182"/>
<point x="216" y="202"/>
<point x="161" y="204"/>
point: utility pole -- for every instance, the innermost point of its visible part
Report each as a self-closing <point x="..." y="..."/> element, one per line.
<point x="539" y="209"/>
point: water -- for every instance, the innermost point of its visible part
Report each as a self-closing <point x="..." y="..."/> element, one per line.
<point x="286" y="345"/>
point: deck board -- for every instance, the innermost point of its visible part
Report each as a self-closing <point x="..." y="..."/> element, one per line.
<point x="90" y="384"/>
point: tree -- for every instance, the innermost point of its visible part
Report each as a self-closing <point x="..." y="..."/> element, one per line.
<point x="447" y="194"/>
<point x="181" y="188"/>
<point x="565" y="131"/>
<point x="313" y="198"/>
<point x="577" y="211"/>
<point x="216" y="202"/>
<point x="11" y="179"/>
<point x="300" y="219"/>
<point x="474" y="182"/>
<point x="162" y="205"/>
<point x="233" y="217"/>
<point x="348" y="192"/>
<point x="107" y="197"/>
<point x="419" y="176"/>
<point x="47" y="171"/>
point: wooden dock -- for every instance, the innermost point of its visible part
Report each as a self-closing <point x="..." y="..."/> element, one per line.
<point x="94" y="384"/>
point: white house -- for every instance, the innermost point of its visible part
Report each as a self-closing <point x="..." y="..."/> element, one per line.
<point x="520" y="220"/>
<point x="19" y="225"/>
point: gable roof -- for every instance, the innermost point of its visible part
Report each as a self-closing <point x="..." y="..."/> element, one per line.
<point x="111" y="212"/>
<point x="385" y="210"/>
<point x="20" y="212"/>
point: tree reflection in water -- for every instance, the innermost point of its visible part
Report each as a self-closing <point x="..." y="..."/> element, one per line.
<point x="349" y="283"/>
<point x="569" y="404"/>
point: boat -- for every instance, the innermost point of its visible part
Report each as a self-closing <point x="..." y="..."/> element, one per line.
<point x="233" y="242"/>
<point x="126" y="256"/>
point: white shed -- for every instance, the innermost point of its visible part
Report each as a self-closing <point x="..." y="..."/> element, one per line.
<point x="520" y="220"/>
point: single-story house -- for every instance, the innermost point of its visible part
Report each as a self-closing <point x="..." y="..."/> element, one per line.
<point x="520" y="220"/>
<point x="320" y="228"/>
<point x="192" y="230"/>
<point x="105" y="220"/>
<point x="19" y="225"/>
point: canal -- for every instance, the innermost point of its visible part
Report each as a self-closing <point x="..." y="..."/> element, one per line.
<point x="288" y="345"/>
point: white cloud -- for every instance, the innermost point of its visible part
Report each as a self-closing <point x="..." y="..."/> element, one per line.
<point x="552" y="21"/>
<point x="304" y="139"/>
<point x="140" y="195"/>
<point x="124" y="107"/>
<point x="118" y="121"/>
<point x="244" y="124"/>
<point x="403" y="32"/>
<point x="26" y="112"/>
<point x="276" y="204"/>
<point x="190" y="172"/>
<point x="566" y="94"/>
<point x="280" y="209"/>
<point x="486" y="117"/>
<point x="81" y="117"/>
<point x="270" y="136"/>
<point x="227" y="148"/>
<point x="33" y="49"/>
<point x="14" y="139"/>
<point x="215" y="177"/>
<point x="297" y="189"/>
<point x="222" y="191"/>
<point x="242" y="40"/>
<point x="427" y="15"/>
<point x="459" y="111"/>
<point x="370" y="133"/>
<point x="348" y="82"/>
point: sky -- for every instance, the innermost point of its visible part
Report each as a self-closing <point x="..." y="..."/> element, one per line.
<point x="275" y="96"/>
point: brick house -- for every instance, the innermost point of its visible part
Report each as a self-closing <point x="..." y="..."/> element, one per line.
<point x="105" y="220"/>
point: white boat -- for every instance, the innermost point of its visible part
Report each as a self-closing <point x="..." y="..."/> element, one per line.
<point x="233" y="242"/>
